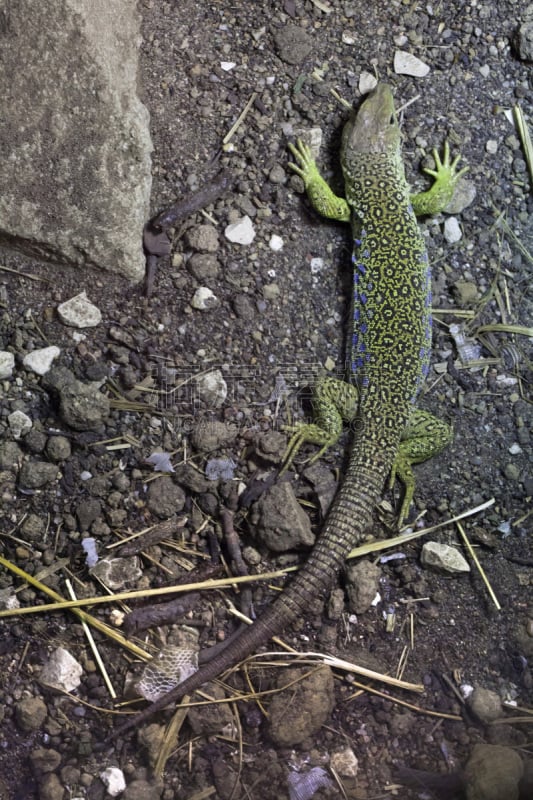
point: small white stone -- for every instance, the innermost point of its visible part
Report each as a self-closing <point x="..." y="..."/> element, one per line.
<point x="61" y="671"/>
<point x="452" y="230"/>
<point x="19" y="424"/>
<point x="345" y="762"/>
<point x="492" y="147"/>
<point x="203" y="299"/>
<point x="484" y="70"/>
<point x="40" y="361"/>
<point x="7" y="364"/>
<point x="116" y="573"/>
<point x="443" y="557"/>
<point x="79" y="312"/>
<point x="367" y="82"/>
<point x="240" y="232"/>
<point x="114" y="781"/>
<point x="408" y="64"/>
<point x="515" y="449"/>
<point x="316" y="264"/>
<point x="276" y="243"/>
<point x="212" y="388"/>
<point x="347" y="38"/>
<point x="227" y="66"/>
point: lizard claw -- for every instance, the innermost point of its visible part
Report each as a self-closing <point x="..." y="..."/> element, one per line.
<point x="445" y="170"/>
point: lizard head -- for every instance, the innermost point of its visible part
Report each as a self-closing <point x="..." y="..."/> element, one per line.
<point x="374" y="128"/>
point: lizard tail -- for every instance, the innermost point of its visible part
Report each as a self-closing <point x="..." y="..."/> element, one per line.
<point x="347" y="521"/>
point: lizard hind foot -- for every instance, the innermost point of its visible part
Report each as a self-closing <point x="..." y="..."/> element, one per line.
<point x="304" y="432"/>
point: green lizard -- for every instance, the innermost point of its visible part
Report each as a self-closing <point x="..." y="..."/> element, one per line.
<point x="390" y="351"/>
<point x="391" y="330"/>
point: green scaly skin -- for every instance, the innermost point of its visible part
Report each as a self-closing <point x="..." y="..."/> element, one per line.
<point x="392" y="322"/>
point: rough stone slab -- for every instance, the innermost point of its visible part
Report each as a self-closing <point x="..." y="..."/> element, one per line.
<point x="74" y="139"/>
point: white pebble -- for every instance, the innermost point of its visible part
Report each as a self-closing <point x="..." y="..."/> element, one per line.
<point x="7" y="364"/>
<point x="408" y="64"/>
<point x="40" y="361"/>
<point x="61" y="671"/>
<point x="240" y="232"/>
<point x="367" y="82"/>
<point x="276" y="243"/>
<point x="19" y="424"/>
<point x="203" y="299"/>
<point x="114" y="781"/>
<point x="227" y="66"/>
<point x="79" y="312"/>
<point x="452" y="230"/>
<point x="492" y="147"/>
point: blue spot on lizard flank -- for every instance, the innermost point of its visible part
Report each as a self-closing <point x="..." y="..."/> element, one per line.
<point x="363" y="298"/>
<point x="357" y="243"/>
<point x="364" y="327"/>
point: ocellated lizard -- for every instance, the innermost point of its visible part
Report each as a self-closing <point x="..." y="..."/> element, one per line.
<point x="390" y="351"/>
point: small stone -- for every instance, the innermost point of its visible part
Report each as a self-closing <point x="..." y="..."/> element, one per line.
<point x="142" y="790"/>
<point x="51" y="788"/>
<point x="452" y="230"/>
<point x="279" y="521"/>
<point x="511" y="472"/>
<point x="271" y="291"/>
<point x="202" y="238"/>
<point x="117" y="573"/>
<point x="293" y="43"/>
<point x="464" y="195"/>
<point x="211" y="720"/>
<point x="466" y="293"/>
<point x="19" y="424"/>
<point x="212" y="388"/>
<point x="345" y="762"/>
<point x="408" y="64"/>
<point x="81" y="405"/>
<point x="44" y="760"/>
<point x="165" y="498"/>
<point x="362" y="583"/>
<point x="493" y="772"/>
<point x="10" y="455"/>
<point x="298" y="712"/>
<point x="7" y="364"/>
<point x="203" y="267"/>
<point x="61" y="671"/>
<point x="491" y="147"/>
<point x="485" y="704"/>
<point x="204" y="299"/>
<point x="36" y="474"/>
<point x="523" y="38"/>
<point x="276" y="243"/>
<point x="367" y="82"/>
<point x="58" y="448"/>
<point x="31" y="713"/>
<point x="40" y="361"/>
<point x="444" y="558"/>
<point x="240" y="232"/>
<point x="114" y="781"/>
<point x="209" y="435"/>
<point x="79" y="312"/>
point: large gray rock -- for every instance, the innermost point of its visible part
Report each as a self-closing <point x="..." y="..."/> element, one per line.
<point x="74" y="139"/>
